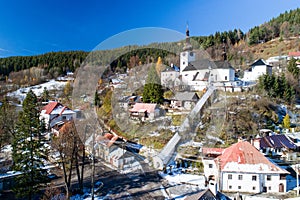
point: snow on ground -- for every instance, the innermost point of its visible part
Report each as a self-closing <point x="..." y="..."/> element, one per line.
<point x="180" y="178"/>
<point x="20" y="94"/>
<point x="182" y="184"/>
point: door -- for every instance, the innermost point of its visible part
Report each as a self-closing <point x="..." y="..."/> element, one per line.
<point x="281" y="187"/>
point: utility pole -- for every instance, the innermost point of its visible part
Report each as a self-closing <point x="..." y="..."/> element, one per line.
<point x="93" y="164"/>
<point x="297" y="178"/>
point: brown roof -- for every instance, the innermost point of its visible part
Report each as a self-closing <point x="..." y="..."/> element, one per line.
<point x="108" y="139"/>
<point x="50" y="107"/>
<point x="242" y="156"/>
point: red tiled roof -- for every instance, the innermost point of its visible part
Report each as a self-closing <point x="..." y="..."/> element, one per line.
<point x="206" y="150"/>
<point x="295" y="53"/>
<point x="142" y="107"/>
<point x="108" y="139"/>
<point x="50" y="107"/>
<point x="243" y="153"/>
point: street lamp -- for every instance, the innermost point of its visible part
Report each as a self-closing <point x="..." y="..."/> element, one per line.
<point x="297" y="177"/>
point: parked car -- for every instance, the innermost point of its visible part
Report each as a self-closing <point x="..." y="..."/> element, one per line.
<point x="98" y="186"/>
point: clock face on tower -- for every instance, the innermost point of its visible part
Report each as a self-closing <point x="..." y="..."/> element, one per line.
<point x="191" y="54"/>
<point x="183" y="54"/>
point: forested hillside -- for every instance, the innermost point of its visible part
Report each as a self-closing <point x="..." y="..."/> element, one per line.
<point x="240" y="48"/>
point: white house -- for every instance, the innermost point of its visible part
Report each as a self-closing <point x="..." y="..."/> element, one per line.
<point x="258" y="68"/>
<point x="242" y="168"/>
<point x="146" y="111"/>
<point x="55" y="113"/>
<point x="169" y="76"/>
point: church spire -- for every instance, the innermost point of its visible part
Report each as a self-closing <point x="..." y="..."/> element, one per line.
<point x="187" y="45"/>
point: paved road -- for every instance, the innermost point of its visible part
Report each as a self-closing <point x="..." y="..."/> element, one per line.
<point x="135" y="185"/>
<point x="138" y="185"/>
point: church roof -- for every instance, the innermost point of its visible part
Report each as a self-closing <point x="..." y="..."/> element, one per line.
<point x="244" y="157"/>
<point x="206" y="63"/>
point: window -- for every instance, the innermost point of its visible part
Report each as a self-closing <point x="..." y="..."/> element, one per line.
<point x="240" y="177"/>
<point x="239" y="187"/>
<point x="253" y="188"/>
<point x="230" y="187"/>
<point x="268" y="177"/>
<point x="270" y="188"/>
<point x="183" y="63"/>
<point x="210" y="166"/>
<point x="191" y="54"/>
<point x="64" y="117"/>
<point x="225" y="78"/>
<point x="282" y="176"/>
<point x="253" y="178"/>
<point x="229" y="176"/>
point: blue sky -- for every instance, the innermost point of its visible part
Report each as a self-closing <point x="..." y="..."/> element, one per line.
<point x="34" y="27"/>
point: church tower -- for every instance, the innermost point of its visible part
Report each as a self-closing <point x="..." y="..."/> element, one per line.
<point x="187" y="55"/>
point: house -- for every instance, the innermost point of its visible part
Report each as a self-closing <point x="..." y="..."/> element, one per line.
<point x="128" y="101"/>
<point x="295" y="137"/>
<point x="242" y="168"/>
<point x="55" y="113"/>
<point x="258" y="68"/>
<point x="146" y="111"/>
<point x="112" y="149"/>
<point x="169" y="76"/>
<point x="203" y="195"/>
<point x="185" y="100"/>
<point x="117" y="83"/>
<point x="276" y="145"/>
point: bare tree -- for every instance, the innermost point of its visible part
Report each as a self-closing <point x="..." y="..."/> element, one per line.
<point x="70" y="148"/>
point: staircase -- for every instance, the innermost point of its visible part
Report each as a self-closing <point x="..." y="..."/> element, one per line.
<point x="168" y="152"/>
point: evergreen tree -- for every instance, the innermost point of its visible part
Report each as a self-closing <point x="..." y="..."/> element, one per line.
<point x="153" y="92"/>
<point x="292" y="68"/>
<point x="97" y="100"/>
<point x="29" y="152"/>
<point x="45" y="95"/>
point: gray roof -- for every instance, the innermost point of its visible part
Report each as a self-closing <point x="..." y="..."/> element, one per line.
<point x="206" y="63"/>
<point x="259" y="62"/>
<point x="186" y="96"/>
<point x="169" y="69"/>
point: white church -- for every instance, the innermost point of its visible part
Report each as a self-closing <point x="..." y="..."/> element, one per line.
<point x="197" y="74"/>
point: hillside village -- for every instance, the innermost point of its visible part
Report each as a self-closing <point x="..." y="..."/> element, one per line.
<point x="206" y="130"/>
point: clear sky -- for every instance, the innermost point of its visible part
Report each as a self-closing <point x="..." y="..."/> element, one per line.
<point x="37" y="26"/>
